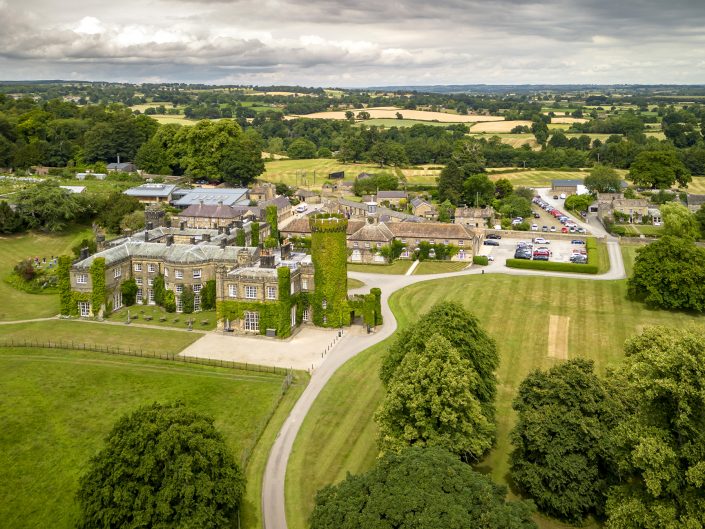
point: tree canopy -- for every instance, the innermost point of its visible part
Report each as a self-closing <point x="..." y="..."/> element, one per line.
<point x="418" y="489"/>
<point x="670" y="274"/>
<point x="48" y="207"/>
<point x="658" y="169"/>
<point x="562" y="454"/>
<point x="603" y="179"/>
<point x="163" y="465"/>
<point x="660" y="446"/>
<point x="431" y="401"/>
<point x="679" y="221"/>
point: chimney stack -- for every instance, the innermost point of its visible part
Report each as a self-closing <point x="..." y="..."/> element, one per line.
<point x="182" y="225"/>
<point x="267" y="261"/>
<point x="223" y="243"/>
<point x="169" y="240"/>
<point x="207" y="237"/>
<point x="193" y="240"/>
<point x="167" y="223"/>
<point x="150" y="226"/>
<point x="84" y="253"/>
<point x="227" y="230"/>
<point x="146" y="235"/>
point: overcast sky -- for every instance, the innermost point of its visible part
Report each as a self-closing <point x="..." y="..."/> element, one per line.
<point x="355" y="42"/>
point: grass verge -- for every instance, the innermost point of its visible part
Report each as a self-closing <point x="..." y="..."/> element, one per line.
<point x="439" y="267"/>
<point x="397" y="267"/>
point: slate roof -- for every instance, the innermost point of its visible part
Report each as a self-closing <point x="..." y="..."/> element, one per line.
<point x="696" y="200"/>
<point x="302" y="226"/>
<point x="386" y="195"/>
<point x="220" y="211"/>
<point x="212" y="196"/>
<point x="429" y="230"/>
<point x="151" y="190"/>
<point x="372" y="232"/>
<point x="566" y="183"/>
<point x="483" y="213"/>
<point x="175" y="253"/>
<point x="416" y="202"/>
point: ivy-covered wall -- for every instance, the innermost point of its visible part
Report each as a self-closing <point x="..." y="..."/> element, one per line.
<point x="254" y="234"/>
<point x="330" y="274"/>
<point x="369" y="306"/>
<point x="97" y="271"/>
<point x="272" y="314"/>
<point x="272" y="217"/>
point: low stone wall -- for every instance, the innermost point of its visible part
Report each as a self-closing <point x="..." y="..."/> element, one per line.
<point x="514" y="234"/>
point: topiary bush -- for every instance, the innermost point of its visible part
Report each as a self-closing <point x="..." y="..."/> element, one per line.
<point x="481" y="260"/>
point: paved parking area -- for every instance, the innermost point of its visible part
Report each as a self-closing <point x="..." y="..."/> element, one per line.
<point x="305" y="350"/>
<point x="561" y="250"/>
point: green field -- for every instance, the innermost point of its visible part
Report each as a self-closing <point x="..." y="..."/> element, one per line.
<point x="354" y="283"/>
<point x="314" y="173"/>
<point x="629" y="255"/>
<point x="58" y="406"/>
<point x="397" y="267"/>
<point x="697" y="186"/>
<point x="537" y="178"/>
<point x="635" y="230"/>
<point x="98" y="334"/>
<point x="391" y="122"/>
<point x="19" y="305"/>
<point x="515" y="310"/>
<point x="439" y="267"/>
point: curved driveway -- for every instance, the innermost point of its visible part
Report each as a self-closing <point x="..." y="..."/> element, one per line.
<point x="273" y="499"/>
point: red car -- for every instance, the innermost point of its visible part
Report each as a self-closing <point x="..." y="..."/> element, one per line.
<point x="564" y="229"/>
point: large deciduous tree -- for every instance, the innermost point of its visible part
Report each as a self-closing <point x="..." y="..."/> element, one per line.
<point x="562" y="454"/>
<point x="478" y="190"/>
<point x="243" y="162"/>
<point x="162" y="466"/>
<point x="658" y="169"/>
<point x="669" y="274"/>
<point x="431" y="401"/>
<point x="418" y="489"/>
<point x="48" y="207"/>
<point x="679" y="221"/>
<point x="661" y="445"/>
<point x="603" y="179"/>
<point x="450" y="183"/>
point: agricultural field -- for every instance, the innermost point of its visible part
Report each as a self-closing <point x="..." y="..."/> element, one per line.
<point x="532" y="178"/>
<point x="313" y="173"/>
<point x="593" y="318"/>
<point x="697" y="186"/>
<point x="58" y="406"/>
<point x="18" y="305"/>
<point x="422" y="175"/>
<point x="390" y="113"/>
<point x="389" y="122"/>
<point x="497" y="127"/>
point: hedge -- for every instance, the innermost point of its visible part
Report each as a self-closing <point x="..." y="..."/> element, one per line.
<point x="552" y="266"/>
<point x="480" y="260"/>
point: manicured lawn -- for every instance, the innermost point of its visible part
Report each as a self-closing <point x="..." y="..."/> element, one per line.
<point x="17" y="305"/>
<point x="603" y="257"/>
<point x="635" y="230"/>
<point x="58" y="407"/>
<point x="515" y="311"/>
<point x="99" y="334"/>
<point x="439" y="267"/>
<point x="301" y="172"/>
<point x="354" y="283"/>
<point x="629" y="255"/>
<point x="204" y="320"/>
<point x="397" y="267"/>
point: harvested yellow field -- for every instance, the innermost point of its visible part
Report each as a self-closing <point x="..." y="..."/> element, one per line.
<point x="566" y="119"/>
<point x="499" y="126"/>
<point x="391" y="113"/>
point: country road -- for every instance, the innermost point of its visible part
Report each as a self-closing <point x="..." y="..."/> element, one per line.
<point x="273" y="498"/>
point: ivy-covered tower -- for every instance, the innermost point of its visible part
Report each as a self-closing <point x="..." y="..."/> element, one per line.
<point x="330" y="274"/>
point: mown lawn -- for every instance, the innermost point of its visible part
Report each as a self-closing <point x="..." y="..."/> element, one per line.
<point x="538" y="178"/>
<point x="629" y="255"/>
<point x="397" y="267"/>
<point x="17" y="305"/>
<point x="58" y="406"/>
<point x="354" y="283"/>
<point x="337" y="439"/>
<point x="439" y="267"/>
<point x="91" y="333"/>
<point x="203" y="320"/>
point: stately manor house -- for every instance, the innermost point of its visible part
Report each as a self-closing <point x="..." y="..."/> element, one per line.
<point x="257" y="290"/>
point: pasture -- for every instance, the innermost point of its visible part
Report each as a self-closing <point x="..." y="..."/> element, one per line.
<point x="58" y="407"/>
<point x="314" y="173"/>
<point x="389" y="122"/>
<point x="516" y="311"/>
<point x="531" y="178"/>
<point x="498" y="127"/>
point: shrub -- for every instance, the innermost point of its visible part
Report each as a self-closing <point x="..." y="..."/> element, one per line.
<point x="129" y="292"/>
<point x="169" y="301"/>
<point x="480" y="260"/>
<point x="187" y="300"/>
<point x="25" y="270"/>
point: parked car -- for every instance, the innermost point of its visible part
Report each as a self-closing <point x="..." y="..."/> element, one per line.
<point x="544" y="228"/>
<point x="562" y="196"/>
<point x="564" y="230"/>
<point x="541" y="240"/>
<point x="582" y="230"/>
<point x="553" y="228"/>
<point x="301" y="208"/>
<point x="490" y="257"/>
<point x="522" y="254"/>
<point x="534" y="227"/>
<point x="578" y="259"/>
<point x="490" y="242"/>
<point x="494" y="236"/>
<point x="555" y="197"/>
<point x="537" y="216"/>
<point x="577" y="241"/>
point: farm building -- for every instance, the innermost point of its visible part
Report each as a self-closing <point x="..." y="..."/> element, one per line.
<point x="151" y="193"/>
<point x="474" y="217"/>
<point x="569" y="187"/>
<point x="421" y="208"/>
<point x="122" y="167"/>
